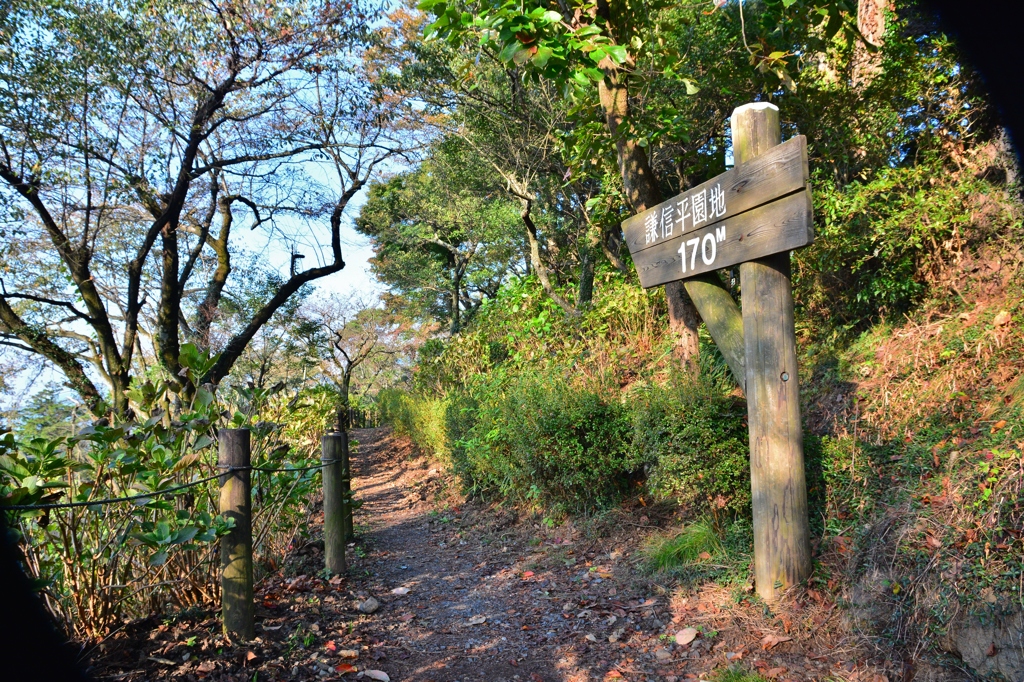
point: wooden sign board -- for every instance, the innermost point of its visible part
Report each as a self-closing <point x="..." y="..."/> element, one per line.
<point x="754" y="210"/>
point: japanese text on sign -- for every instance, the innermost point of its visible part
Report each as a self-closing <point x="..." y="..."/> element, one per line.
<point x="700" y="208"/>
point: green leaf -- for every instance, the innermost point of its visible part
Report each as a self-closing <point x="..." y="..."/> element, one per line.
<point x="552" y="17"/>
<point x="788" y="3"/>
<point x="691" y="87"/>
<point x="540" y="59"/>
<point x="617" y="53"/>
<point x="521" y="56"/>
<point x="509" y="51"/>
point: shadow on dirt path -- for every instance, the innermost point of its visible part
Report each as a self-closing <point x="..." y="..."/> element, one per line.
<point x="467" y="591"/>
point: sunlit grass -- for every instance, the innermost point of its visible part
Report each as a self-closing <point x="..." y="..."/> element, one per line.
<point x="697" y="542"/>
<point x="737" y="675"/>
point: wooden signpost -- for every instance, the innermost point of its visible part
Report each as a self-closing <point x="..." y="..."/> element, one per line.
<point x="752" y="215"/>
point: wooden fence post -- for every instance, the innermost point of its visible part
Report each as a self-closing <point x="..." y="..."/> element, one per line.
<point x="236" y="547"/>
<point x="334" y="502"/>
<point x="782" y="551"/>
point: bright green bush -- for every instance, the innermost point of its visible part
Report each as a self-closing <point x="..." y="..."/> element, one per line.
<point x="695" y="436"/>
<point x="545" y="440"/>
<point x="97" y="565"/>
<point x="420" y="418"/>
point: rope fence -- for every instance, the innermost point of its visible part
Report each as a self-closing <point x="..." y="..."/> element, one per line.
<point x="158" y="493"/>
<point x="236" y="547"/>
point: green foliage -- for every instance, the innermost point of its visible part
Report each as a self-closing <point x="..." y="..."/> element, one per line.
<point x="737" y="674"/>
<point x="420" y="418"/>
<point x="443" y="236"/>
<point x="47" y="414"/>
<point x="576" y="414"/>
<point x="546" y="441"/>
<point x="696" y="542"/>
<point x="880" y="244"/>
<point x="99" y="564"/>
<point x="696" y="439"/>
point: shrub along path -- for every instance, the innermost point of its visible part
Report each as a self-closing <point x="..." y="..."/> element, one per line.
<point x="469" y="592"/>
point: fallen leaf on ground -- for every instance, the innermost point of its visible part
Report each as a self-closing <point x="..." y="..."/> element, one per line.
<point x="685" y="636"/>
<point x="344" y="668"/>
<point x="704" y="556"/>
<point x="477" y="620"/>
<point x="348" y="653"/>
<point x="331" y="646"/>
<point x="771" y="640"/>
<point x="774" y="672"/>
<point x="400" y="591"/>
<point x="613" y="675"/>
<point x="933" y="542"/>
<point x="1003" y="318"/>
<point x="379" y="675"/>
<point x="528" y="574"/>
<point x="406" y="617"/>
<point x="591" y="638"/>
<point x="998" y="425"/>
<point x="206" y="667"/>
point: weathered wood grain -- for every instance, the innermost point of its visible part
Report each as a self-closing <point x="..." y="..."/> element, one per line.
<point x="782" y="550"/>
<point x="782" y="225"/>
<point x="334" y="502"/>
<point x="236" y="546"/>
<point x="781" y="171"/>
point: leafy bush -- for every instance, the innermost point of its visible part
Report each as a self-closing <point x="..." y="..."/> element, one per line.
<point x="696" y="439"/>
<point x="97" y="565"/>
<point x="420" y="418"/>
<point x="880" y="243"/>
<point x="547" y="441"/>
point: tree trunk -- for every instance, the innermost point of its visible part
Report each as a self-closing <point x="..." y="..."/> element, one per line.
<point x="535" y="259"/>
<point x="346" y="381"/>
<point x="642" y="192"/>
<point x="454" y="307"/>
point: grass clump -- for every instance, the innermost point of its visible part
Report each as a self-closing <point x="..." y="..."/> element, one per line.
<point x="695" y="543"/>
<point x="736" y="674"/>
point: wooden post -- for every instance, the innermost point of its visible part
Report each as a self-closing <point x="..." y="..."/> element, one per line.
<point x="782" y="550"/>
<point x="334" y="502"/>
<point x="236" y="547"/>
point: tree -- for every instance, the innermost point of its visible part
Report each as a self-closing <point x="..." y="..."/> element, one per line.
<point x="356" y="343"/>
<point x="134" y="137"/>
<point x="618" y="47"/>
<point x="443" y="234"/>
<point x="515" y="130"/>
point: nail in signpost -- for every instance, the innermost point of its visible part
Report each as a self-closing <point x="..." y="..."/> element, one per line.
<point x="753" y="216"/>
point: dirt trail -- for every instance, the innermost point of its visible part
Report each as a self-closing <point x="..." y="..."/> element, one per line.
<point x="558" y="605"/>
<point x="485" y="595"/>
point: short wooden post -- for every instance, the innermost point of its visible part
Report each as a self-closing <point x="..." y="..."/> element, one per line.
<point x="334" y="502"/>
<point x="236" y="547"/>
<point x="782" y="550"/>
